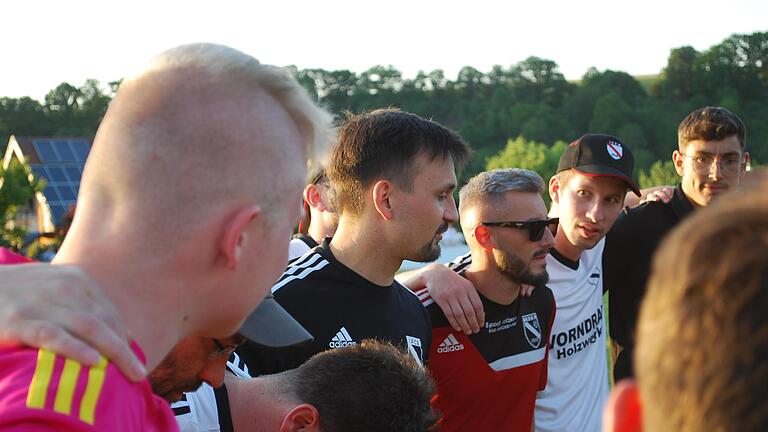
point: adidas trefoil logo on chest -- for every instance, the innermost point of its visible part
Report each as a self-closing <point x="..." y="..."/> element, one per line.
<point x="341" y="339"/>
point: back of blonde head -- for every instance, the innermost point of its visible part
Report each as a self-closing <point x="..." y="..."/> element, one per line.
<point x="198" y="132"/>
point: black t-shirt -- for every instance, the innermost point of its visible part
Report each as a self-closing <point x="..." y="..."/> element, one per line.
<point x="629" y="249"/>
<point x="339" y="307"/>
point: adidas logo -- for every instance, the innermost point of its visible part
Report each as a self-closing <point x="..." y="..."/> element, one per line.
<point x="450" y="344"/>
<point x="341" y="339"/>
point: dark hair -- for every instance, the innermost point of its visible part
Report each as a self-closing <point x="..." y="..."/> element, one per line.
<point x="383" y="144"/>
<point x="370" y="387"/>
<point x="702" y="338"/>
<point x="711" y="124"/>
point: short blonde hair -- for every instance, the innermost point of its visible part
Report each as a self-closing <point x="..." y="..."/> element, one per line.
<point x="235" y="67"/>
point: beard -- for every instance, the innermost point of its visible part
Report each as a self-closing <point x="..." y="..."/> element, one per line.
<point x="168" y="380"/>
<point x="427" y="253"/>
<point x="430" y="251"/>
<point x="514" y="268"/>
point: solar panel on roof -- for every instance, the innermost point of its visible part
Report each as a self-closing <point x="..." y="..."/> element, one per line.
<point x="65" y="152"/>
<point x="55" y="173"/>
<point x="58" y="211"/>
<point x="50" y="194"/>
<point x="73" y="173"/>
<point x="65" y="192"/>
<point x="80" y="148"/>
<point x="62" y="168"/>
<point x="45" y="151"/>
<point x="38" y="171"/>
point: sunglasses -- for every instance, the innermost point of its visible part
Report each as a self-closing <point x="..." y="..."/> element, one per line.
<point x="535" y="228"/>
<point x="222" y="350"/>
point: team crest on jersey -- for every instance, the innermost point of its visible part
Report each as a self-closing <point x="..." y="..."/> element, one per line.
<point x="532" y="329"/>
<point x="594" y="278"/>
<point x="414" y="347"/>
<point x="615" y="150"/>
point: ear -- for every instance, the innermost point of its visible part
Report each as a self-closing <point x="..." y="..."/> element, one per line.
<point x="554" y="189"/>
<point x="382" y="198"/>
<point x="483" y="237"/>
<point x="302" y="418"/>
<point x="235" y="236"/>
<point x="313" y="197"/>
<point x="745" y="162"/>
<point x="678" y="159"/>
<point x="623" y="411"/>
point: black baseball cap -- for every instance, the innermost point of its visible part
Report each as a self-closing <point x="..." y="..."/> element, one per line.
<point x="600" y="155"/>
<point x="271" y="325"/>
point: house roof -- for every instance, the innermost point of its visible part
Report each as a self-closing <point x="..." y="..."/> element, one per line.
<point x="60" y="162"/>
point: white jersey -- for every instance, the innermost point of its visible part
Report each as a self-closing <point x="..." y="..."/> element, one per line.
<point x="577" y="386"/>
<point x="577" y="382"/>
<point x="197" y="411"/>
<point x="203" y="410"/>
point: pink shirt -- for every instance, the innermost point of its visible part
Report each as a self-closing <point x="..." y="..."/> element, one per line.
<point x="40" y="391"/>
<point x="10" y="257"/>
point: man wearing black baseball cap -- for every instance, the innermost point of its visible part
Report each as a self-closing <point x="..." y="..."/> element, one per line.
<point x="588" y="190"/>
<point x="599" y="155"/>
<point x="592" y="179"/>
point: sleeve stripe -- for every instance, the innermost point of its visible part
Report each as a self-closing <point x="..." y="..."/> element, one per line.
<point x="38" y="388"/>
<point x="67" y="382"/>
<point x="96" y="376"/>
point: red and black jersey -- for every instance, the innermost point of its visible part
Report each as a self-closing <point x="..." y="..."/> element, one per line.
<point x="488" y="381"/>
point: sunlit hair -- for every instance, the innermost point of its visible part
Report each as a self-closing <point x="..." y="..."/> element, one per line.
<point x="710" y="124"/>
<point x="494" y="184"/>
<point x="383" y="145"/>
<point x="371" y="386"/>
<point x="230" y="66"/>
<point x="702" y="341"/>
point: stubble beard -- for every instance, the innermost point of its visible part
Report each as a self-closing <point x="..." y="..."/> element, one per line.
<point x="428" y="253"/>
<point x="511" y="266"/>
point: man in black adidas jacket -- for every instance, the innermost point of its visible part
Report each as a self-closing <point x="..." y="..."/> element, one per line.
<point x="393" y="174"/>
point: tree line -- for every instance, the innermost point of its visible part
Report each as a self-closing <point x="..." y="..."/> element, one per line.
<point x="529" y="101"/>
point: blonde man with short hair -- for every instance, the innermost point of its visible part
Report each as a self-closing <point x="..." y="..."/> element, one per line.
<point x="177" y="252"/>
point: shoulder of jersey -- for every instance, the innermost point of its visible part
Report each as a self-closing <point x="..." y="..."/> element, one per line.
<point x="460" y="262"/>
<point x="63" y="376"/>
<point x="300" y="268"/>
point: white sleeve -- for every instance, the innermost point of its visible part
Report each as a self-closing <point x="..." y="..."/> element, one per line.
<point x="297" y="248"/>
<point x="197" y="411"/>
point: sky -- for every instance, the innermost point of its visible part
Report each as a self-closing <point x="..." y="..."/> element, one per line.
<point x="45" y="43"/>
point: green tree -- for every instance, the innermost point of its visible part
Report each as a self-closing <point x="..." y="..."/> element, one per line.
<point x="659" y="174"/>
<point x="532" y="155"/>
<point x="16" y="191"/>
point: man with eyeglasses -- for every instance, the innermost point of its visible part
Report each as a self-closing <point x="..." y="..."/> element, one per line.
<point x="710" y="160"/>
<point x="489" y="380"/>
<point x="593" y="177"/>
<point x="192" y="362"/>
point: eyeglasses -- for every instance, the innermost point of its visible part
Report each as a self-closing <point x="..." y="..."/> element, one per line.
<point x="703" y="163"/>
<point x="535" y="228"/>
<point x="224" y="350"/>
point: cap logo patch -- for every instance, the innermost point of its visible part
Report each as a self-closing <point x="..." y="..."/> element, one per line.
<point x="614" y="149"/>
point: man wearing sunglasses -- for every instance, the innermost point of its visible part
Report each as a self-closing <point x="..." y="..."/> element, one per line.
<point x="710" y="160"/>
<point x="593" y="176"/>
<point x="489" y="380"/>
